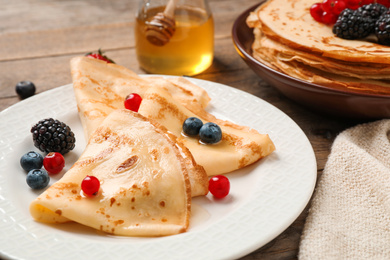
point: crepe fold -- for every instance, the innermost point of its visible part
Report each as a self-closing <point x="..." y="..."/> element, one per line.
<point x="240" y="145"/>
<point x="297" y="45"/>
<point x="145" y="188"/>
<point x="101" y="88"/>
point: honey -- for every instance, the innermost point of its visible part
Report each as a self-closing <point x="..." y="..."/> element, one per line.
<point x="190" y="50"/>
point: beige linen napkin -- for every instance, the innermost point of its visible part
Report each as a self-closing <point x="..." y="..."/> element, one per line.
<point x="349" y="217"/>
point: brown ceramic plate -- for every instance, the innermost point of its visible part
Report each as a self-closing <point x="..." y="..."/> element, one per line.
<point x="345" y="103"/>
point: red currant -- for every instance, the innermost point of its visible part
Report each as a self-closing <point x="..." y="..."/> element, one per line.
<point x="90" y="185"/>
<point x="54" y="162"/>
<point x="219" y="186"/>
<point x="328" y="11"/>
<point x="334" y="6"/>
<point x="133" y="101"/>
<point x="100" y="56"/>
<point x="338" y="7"/>
<point x="316" y="12"/>
<point x="329" y="18"/>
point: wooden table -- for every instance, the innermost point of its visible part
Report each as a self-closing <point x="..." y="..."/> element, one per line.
<point x="38" y="38"/>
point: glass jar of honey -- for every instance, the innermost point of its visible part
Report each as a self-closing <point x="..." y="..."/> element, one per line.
<point x="185" y="36"/>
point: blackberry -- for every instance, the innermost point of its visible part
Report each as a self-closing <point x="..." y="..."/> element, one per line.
<point x="382" y="29"/>
<point x="50" y="135"/>
<point x="372" y="10"/>
<point x="353" y="25"/>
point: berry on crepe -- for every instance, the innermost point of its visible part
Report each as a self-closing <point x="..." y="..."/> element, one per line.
<point x="90" y="185"/>
<point x="133" y="101"/>
<point x="327" y="11"/>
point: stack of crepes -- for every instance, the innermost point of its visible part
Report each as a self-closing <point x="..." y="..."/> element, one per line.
<point x="148" y="169"/>
<point x="289" y="40"/>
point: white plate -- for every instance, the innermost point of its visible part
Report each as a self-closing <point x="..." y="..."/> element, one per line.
<point x="265" y="198"/>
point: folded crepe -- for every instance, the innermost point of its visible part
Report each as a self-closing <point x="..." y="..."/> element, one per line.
<point x="100" y="88"/>
<point x="240" y="145"/>
<point x="145" y="188"/>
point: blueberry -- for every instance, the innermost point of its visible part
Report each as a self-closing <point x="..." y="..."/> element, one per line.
<point x="192" y="125"/>
<point x="37" y="179"/>
<point x="210" y="133"/>
<point x="25" y="89"/>
<point x="31" y="160"/>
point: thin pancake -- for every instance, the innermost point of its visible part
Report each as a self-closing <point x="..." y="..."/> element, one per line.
<point x="313" y="75"/>
<point x="349" y="69"/>
<point x="240" y="146"/>
<point x="145" y="188"/>
<point x="101" y="88"/>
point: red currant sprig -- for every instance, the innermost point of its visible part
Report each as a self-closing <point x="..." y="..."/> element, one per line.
<point x="219" y="186"/>
<point x="54" y="162"/>
<point x="133" y="102"/>
<point x="90" y="185"/>
<point x="327" y="11"/>
<point x="99" y="55"/>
